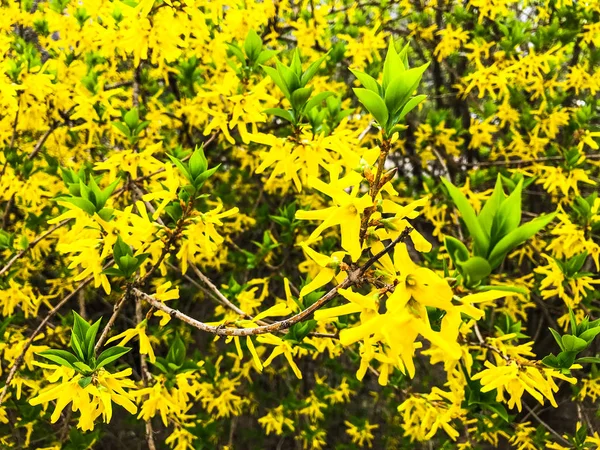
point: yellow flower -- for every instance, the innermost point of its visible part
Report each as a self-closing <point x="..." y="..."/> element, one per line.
<point x="588" y="140"/>
<point x="346" y="214"/>
<point x="361" y="436"/>
<point x="275" y="420"/>
<point x="93" y="400"/>
<point x="282" y="347"/>
<point x="515" y="379"/>
<point x="451" y="41"/>
<point x="140" y="332"/>
<point x="327" y="271"/>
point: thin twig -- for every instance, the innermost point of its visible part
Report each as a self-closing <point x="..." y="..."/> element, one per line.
<point x="41" y="141"/>
<point x="146" y="376"/>
<point x="32" y="244"/>
<point x="525" y="161"/>
<point x="224" y="300"/>
<point x="546" y="426"/>
<point x="111" y="321"/>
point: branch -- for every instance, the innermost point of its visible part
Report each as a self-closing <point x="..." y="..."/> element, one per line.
<point x="146" y="376"/>
<point x="40" y="143"/>
<point x="116" y="310"/>
<point x="32" y="244"/>
<point x="223" y="300"/>
<point x="354" y="277"/>
<point x="546" y="426"/>
<point x="525" y="161"/>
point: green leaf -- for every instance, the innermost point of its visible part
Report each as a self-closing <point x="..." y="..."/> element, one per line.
<point x="316" y="100"/>
<point x="278" y="80"/>
<point x="404" y="56"/>
<point x="282" y="113"/>
<point x="499" y="287"/>
<point x="177" y="352"/>
<point x="474" y="270"/>
<point x="84" y="382"/>
<point x="184" y="171"/>
<point x="106" y="214"/>
<point x="499" y="409"/>
<point x="237" y="52"/>
<point x="95" y="194"/>
<point x="198" y="182"/>
<point x="113" y="272"/>
<point x="590" y="334"/>
<point x="121" y="248"/>
<point x="161" y="363"/>
<point x="84" y="190"/>
<point x="374" y="104"/>
<point x="77" y="345"/>
<point x="588" y="360"/>
<point x="414" y="76"/>
<point x="4" y="325"/>
<point x="141" y="127"/>
<point x="300" y="97"/>
<point x="90" y="338"/>
<point x="508" y="216"/>
<point x="132" y="118"/>
<point x="61" y="357"/>
<point x="197" y="163"/>
<point x="573" y="321"/>
<point x="80" y="326"/>
<point x="488" y="212"/>
<point x="312" y="70"/>
<point x="396" y="94"/>
<point x="566" y="359"/>
<point x="127" y="264"/>
<point x="517" y="237"/>
<point x="111" y="354"/>
<point x="551" y="361"/>
<point x="392" y="66"/>
<point x="480" y="239"/>
<point x="573" y="343"/>
<point x="576" y="263"/>
<point x="456" y="249"/>
<point x="265" y="55"/>
<point x="296" y="65"/>
<point x="400" y="88"/>
<point x="291" y="80"/>
<point x="367" y="81"/>
<point x="106" y="193"/>
<point x="252" y="45"/>
<point x="122" y="128"/>
<point x="81" y="203"/>
<point x="82" y="367"/>
<point x="557" y="338"/>
<point x="411" y="104"/>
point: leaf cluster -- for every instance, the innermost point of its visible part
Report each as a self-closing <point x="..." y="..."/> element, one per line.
<point x="82" y="359"/>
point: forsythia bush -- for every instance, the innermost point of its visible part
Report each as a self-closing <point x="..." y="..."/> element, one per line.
<point x="299" y="225"/>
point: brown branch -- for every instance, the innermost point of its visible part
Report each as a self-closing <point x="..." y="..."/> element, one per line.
<point x="41" y="141"/>
<point x="32" y="244"/>
<point x="374" y="188"/>
<point x="222" y="299"/>
<point x="118" y="84"/>
<point x="525" y="161"/>
<point x="353" y="277"/>
<point x="140" y="281"/>
<point x="146" y="376"/>
<point x="546" y="426"/>
<point x="111" y="321"/>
